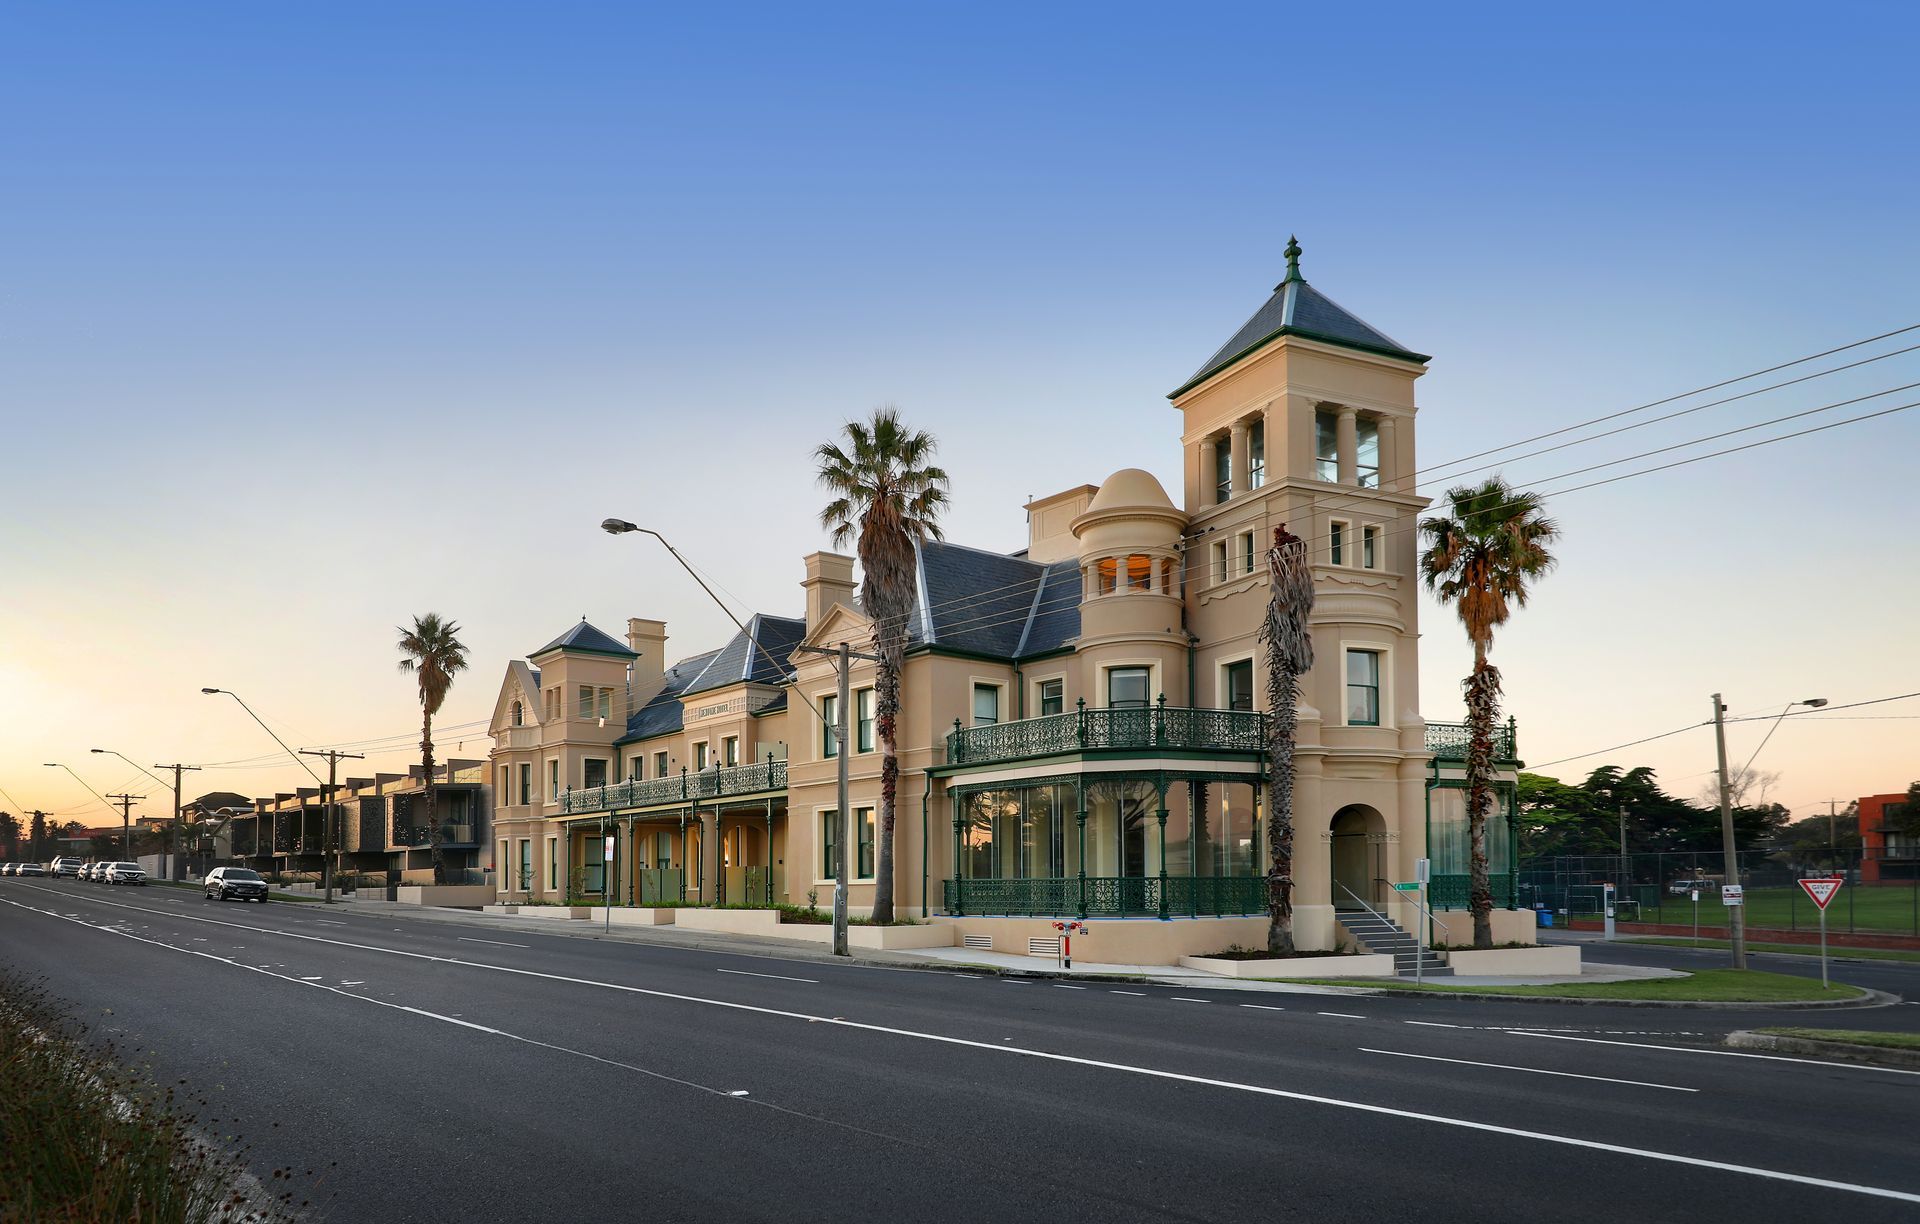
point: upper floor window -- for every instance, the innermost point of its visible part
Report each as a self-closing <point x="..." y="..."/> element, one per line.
<point x="1363" y="688"/>
<point x="519" y="714"/>
<point x="700" y="756"/>
<point x="1139" y="573"/>
<point x="659" y="764"/>
<point x="1326" y="445"/>
<point x="1239" y="685"/>
<point x="830" y="726"/>
<point x="1367" y="453"/>
<point x="730" y="751"/>
<point x="586" y="701"/>
<point x="1256" y="454"/>
<point x="1369" y="547"/>
<point x="1219" y="560"/>
<point x="1222" y="469"/>
<point x="1053" y="697"/>
<point x="1246" y="552"/>
<point x="1127" y="688"/>
<point x="986" y="705"/>
<point x="863" y="720"/>
<point x="595" y="772"/>
<point x="606" y="703"/>
<point x="526" y="785"/>
<point x="1337" y="542"/>
<point x="553" y="780"/>
<point x="636" y="768"/>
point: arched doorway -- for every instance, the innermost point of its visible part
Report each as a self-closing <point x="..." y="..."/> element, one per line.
<point x="1353" y="854"/>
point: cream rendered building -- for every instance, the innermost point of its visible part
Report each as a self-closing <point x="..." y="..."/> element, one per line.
<point x="1082" y="731"/>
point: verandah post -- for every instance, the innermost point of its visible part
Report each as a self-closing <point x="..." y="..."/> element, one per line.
<point x="1080" y="819"/>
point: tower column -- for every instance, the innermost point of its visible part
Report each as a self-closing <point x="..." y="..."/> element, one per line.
<point x="1347" y="438"/>
<point x="1241" y="456"/>
<point x="1390" y="469"/>
<point x="1209" y="463"/>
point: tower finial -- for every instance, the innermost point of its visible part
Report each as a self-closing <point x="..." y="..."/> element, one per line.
<point x="1293" y="261"/>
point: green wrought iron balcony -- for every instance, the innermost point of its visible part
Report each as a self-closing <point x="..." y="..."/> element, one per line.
<point x="767" y="775"/>
<point x="1448" y="741"/>
<point x="1107" y="729"/>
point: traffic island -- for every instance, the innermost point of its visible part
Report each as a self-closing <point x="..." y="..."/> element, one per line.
<point x="1853" y="1045"/>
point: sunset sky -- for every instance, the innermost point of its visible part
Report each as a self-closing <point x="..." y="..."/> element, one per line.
<point x="320" y="317"/>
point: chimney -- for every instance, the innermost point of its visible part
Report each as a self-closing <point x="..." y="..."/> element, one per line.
<point x="829" y="583"/>
<point x="648" y="639"/>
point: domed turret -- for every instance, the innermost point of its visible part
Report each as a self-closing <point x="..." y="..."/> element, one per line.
<point x="1129" y="538"/>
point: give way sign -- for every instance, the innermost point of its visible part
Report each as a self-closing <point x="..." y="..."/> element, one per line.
<point x="1822" y="891"/>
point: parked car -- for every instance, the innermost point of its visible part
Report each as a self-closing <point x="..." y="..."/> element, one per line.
<point x="1680" y="888"/>
<point x="30" y="869"/>
<point x="66" y="868"/>
<point x="228" y="883"/>
<point x="6" y="869"/>
<point x="86" y="872"/>
<point x="125" y="873"/>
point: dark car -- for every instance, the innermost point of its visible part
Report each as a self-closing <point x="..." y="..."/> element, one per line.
<point x="236" y="883"/>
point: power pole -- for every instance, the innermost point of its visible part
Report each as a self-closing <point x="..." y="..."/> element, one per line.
<point x="126" y="820"/>
<point x="174" y="840"/>
<point x="842" y="817"/>
<point x="334" y="757"/>
<point x="1736" y="914"/>
<point x="1833" y="842"/>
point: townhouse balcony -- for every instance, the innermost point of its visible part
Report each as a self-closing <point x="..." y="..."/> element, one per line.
<point x="1107" y="729"/>
<point x="451" y="834"/>
<point x="1448" y="741"/>
<point x="714" y="783"/>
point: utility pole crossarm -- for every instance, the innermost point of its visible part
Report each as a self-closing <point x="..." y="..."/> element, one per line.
<point x="327" y="840"/>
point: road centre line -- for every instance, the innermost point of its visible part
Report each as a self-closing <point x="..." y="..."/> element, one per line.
<point x="1263" y="1006"/>
<point x="1064" y="986"/>
<point x="498" y="943"/>
<point x="1045" y="1056"/>
<point x="1468" y="1062"/>
<point x="1341" y="1015"/>
<point x="1179" y="999"/>
<point x="1642" y="1045"/>
<point x="776" y="976"/>
<point x="1133" y="994"/>
<point x="1430" y="1024"/>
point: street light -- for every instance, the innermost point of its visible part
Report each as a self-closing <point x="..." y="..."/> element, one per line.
<point x="842" y="658"/>
<point x="325" y="824"/>
<point x="124" y="830"/>
<point x="1730" y="858"/>
<point x="173" y="830"/>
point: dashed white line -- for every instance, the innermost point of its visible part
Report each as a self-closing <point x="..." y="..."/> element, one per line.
<point x="1430" y="1024"/>
<point x="1468" y="1062"/>
<point x="1064" y="986"/>
<point x="776" y="976"/>
<point x="1341" y="1015"/>
<point x="1132" y="994"/>
<point x="1263" y="1006"/>
<point x="498" y="943"/>
<point x="1642" y="1045"/>
<point x="1179" y="999"/>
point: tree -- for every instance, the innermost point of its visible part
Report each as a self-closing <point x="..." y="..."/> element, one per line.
<point x="1743" y="783"/>
<point x="887" y="494"/>
<point x="1289" y="648"/>
<point x="37" y="838"/>
<point x="1483" y="557"/>
<point x="10" y="834"/>
<point x="432" y="651"/>
<point x="1903" y="819"/>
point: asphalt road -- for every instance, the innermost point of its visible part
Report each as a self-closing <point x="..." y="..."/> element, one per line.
<point x="449" y="1071"/>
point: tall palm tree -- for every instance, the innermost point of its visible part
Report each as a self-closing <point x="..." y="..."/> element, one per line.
<point x="1289" y="657"/>
<point x="888" y="494"/>
<point x="432" y="650"/>
<point x="10" y="834"/>
<point x="1482" y="557"/>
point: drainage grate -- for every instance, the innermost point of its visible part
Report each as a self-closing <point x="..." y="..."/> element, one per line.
<point x="983" y="942"/>
<point x="1043" y="947"/>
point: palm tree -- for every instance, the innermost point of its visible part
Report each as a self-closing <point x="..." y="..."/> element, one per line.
<point x="1289" y="657"/>
<point x="887" y="493"/>
<point x="10" y="834"/>
<point x="432" y="650"/>
<point x="1482" y="557"/>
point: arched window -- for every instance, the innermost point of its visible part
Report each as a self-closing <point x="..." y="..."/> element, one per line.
<point x="519" y="714"/>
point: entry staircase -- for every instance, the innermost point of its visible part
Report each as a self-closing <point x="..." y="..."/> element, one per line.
<point x="1383" y="936"/>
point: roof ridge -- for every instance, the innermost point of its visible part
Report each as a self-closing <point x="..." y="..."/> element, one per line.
<point x="1033" y="610"/>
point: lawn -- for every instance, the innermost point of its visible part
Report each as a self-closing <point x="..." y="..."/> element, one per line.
<point x="1707" y="986"/>
<point x="1892" y="1041"/>
<point x="1891" y="909"/>
<point x="1681" y="941"/>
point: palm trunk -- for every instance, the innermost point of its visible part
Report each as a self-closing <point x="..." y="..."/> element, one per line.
<point x="1283" y="696"/>
<point x="886" y="699"/>
<point x="1483" y="707"/>
<point x="433" y="825"/>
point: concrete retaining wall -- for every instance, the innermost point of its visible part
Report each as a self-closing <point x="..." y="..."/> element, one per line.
<point x="466" y="896"/>
<point x="1517" y="962"/>
<point x="1121" y="941"/>
<point x="1369" y="965"/>
<point x="929" y="935"/>
<point x="736" y="922"/>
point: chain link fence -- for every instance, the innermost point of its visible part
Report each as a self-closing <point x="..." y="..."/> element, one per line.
<point x="1881" y="896"/>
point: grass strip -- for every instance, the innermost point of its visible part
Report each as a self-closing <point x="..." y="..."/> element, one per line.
<point x="1865" y="1037"/>
<point x="1707" y="986"/>
<point x="1834" y="952"/>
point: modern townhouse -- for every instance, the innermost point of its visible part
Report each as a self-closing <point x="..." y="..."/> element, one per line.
<point x="1083" y="729"/>
<point x="380" y="823"/>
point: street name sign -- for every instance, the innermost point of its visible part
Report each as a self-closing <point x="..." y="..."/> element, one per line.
<point x="1731" y="894"/>
<point x="1822" y="891"/>
<point x="1409" y="886"/>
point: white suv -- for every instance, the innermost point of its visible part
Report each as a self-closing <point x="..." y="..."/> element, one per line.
<point x="66" y="868"/>
<point x="122" y="873"/>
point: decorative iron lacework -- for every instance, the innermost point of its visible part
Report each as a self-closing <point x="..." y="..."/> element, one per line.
<point x="1448" y="741"/>
<point x="1109" y="896"/>
<point x="707" y="784"/>
<point x="1102" y="729"/>
<point x="1250" y="777"/>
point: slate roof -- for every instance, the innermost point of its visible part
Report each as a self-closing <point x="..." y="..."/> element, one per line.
<point x="1298" y="309"/>
<point x="585" y="637"/>
<point x="994" y="604"/>
<point x="733" y="663"/>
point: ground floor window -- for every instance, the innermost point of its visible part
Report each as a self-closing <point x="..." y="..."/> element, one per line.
<point x="526" y="864"/>
<point x="1450" y="846"/>
<point x="863" y="829"/>
<point x="830" y="845"/>
<point x="1034" y="832"/>
<point x="593" y="865"/>
<point x="553" y="864"/>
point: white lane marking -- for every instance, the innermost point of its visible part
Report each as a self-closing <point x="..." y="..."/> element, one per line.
<point x="316" y="977"/>
<point x="1468" y="1062"/>
<point x="1064" y="986"/>
<point x="1430" y="1024"/>
<point x="1341" y="1015"/>
<point x="779" y="977"/>
<point x="1022" y="1052"/>
<point x="1642" y="1045"/>
<point x="347" y="983"/>
<point x="1179" y="999"/>
<point x="1263" y="1006"/>
<point x="327" y="922"/>
<point x="1132" y="994"/>
<point x="499" y="943"/>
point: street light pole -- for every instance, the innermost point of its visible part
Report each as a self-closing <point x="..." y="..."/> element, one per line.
<point x="82" y="781"/>
<point x="174" y="829"/>
<point x="1730" y="859"/>
<point x="276" y="739"/>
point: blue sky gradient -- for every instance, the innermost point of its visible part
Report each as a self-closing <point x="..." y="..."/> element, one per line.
<point x="321" y="317"/>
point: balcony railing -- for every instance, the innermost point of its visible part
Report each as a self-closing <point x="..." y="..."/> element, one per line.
<point x="451" y="834"/>
<point x="1448" y="741"/>
<point x="520" y="737"/>
<point x="1110" y="896"/>
<point x="1108" y="729"/>
<point x="769" y="775"/>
